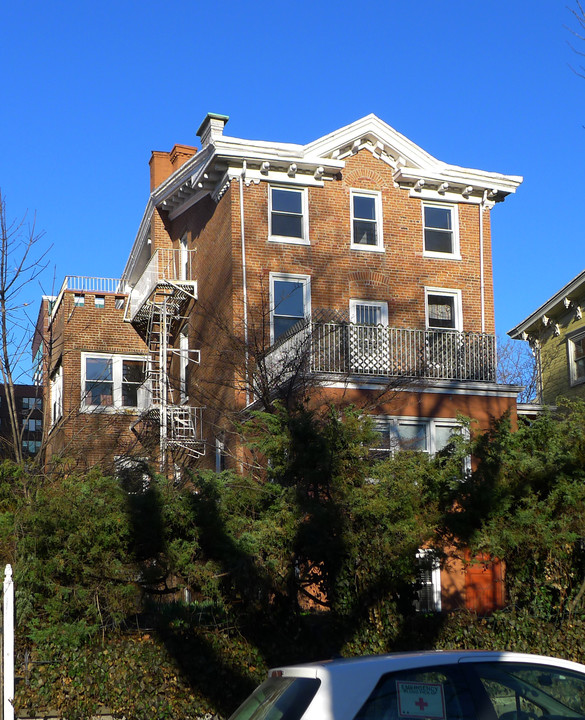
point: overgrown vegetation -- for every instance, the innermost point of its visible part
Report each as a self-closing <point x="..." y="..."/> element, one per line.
<point x="173" y="601"/>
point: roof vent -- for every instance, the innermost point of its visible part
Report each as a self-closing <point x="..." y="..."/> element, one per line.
<point x="211" y="128"/>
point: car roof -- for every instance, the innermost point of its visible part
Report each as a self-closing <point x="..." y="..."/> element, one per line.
<point x="347" y="682"/>
<point x="393" y="661"/>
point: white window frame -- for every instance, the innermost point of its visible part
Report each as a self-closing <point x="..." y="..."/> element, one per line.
<point x="382" y="305"/>
<point x="368" y="343"/>
<point x="571" y="339"/>
<point x="457" y="307"/>
<point x="377" y="195"/>
<point x="455" y="253"/>
<point x="305" y="280"/>
<point x="183" y="258"/>
<point x="57" y="395"/>
<point x="219" y="454"/>
<point x="117" y="369"/>
<point x="435" y="583"/>
<point x="431" y="425"/>
<point x="304" y="239"/>
<point x="183" y="363"/>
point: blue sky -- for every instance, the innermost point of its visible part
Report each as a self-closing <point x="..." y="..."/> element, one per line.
<point x="90" y="89"/>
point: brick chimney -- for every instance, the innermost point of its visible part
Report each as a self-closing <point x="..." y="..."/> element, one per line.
<point x="164" y="164"/>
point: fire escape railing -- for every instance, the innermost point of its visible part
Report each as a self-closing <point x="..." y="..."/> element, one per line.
<point x="167" y="267"/>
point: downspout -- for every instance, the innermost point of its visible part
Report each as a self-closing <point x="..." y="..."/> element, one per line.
<point x="481" y="268"/>
<point x="244" y="282"/>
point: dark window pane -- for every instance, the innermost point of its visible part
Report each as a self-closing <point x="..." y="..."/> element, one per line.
<point x="288" y="298"/>
<point x="98" y="393"/>
<point x="364" y="208"/>
<point x="287" y="225"/>
<point x="129" y="395"/>
<point x="364" y="232"/>
<point x="282" y="324"/>
<point x="133" y="371"/>
<point x="441" y="311"/>
<point x="436" y="217"/>
<point x="438" y="241"/>
<point x="98" y="369"/>
<point x="278" y="699"/>
<point x="287" y="201"/>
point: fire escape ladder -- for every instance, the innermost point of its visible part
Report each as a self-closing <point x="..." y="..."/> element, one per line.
<point x="179" y="426"/>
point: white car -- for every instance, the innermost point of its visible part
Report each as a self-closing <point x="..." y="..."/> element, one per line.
<point x="440" y="685"/>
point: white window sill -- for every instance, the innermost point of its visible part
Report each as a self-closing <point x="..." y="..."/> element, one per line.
<point x="110" y="410"/>
<point x="368" y="248"/>
<point x="282" y="239"/>
<point x="442" y="256"/>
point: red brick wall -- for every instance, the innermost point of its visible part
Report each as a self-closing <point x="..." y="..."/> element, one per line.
<point x="88" y="438"/>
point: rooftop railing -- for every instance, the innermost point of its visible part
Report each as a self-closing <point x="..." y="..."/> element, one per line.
<point x="345" y="348"/>
<point x="86" y="283"/>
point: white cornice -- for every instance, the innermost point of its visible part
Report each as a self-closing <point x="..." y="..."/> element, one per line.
<point x="573" y="290"/>
<point x="310" y="165"/>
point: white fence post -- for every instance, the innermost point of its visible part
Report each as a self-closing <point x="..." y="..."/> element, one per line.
<point x="8" y="644"/>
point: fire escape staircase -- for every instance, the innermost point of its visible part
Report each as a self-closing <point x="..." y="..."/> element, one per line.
<point x="156" y="303"/>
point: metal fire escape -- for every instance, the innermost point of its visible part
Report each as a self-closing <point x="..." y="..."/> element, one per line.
<point x="156" y="305"/>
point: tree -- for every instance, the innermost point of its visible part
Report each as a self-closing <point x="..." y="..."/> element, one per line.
<point x="525" y="504"/>
<point x="517" y="365"/>
<point x="20" y="266"/>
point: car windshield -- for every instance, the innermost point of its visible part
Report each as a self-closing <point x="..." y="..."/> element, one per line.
<point x="278" y="699"/>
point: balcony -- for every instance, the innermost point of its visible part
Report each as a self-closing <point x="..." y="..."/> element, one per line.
<point x="339" y="347"/>
<point x="167" y="268"/>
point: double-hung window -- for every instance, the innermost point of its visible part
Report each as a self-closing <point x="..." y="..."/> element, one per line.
<point x="366" y="220"/>
<point x="288" y="215"/>
<point x="290" y="302"/>
<point x="113" y="382"/>
<point x="441" y="230"/>
<point x="576" y="357"/>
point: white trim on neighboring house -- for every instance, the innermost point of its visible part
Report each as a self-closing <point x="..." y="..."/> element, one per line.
<point x="576" y="356"/>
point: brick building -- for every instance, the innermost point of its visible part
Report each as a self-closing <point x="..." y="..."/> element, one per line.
<point x="29" y="412"/>
<point x="357" y="266"/>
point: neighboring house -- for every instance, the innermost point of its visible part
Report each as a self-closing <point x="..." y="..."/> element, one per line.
<point x="356" y="267"/>
<point x="29" y="411"/>
<point x="556" y="332"/>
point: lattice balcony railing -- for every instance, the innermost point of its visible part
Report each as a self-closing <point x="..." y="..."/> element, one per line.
<point x="344" y="348"/>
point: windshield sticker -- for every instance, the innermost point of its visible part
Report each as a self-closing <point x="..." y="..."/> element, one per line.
<point x="420" y="700"/>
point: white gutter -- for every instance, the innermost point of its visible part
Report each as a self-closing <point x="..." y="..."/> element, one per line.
<point x="244" y="282"/>
<point x="481" y="267"/>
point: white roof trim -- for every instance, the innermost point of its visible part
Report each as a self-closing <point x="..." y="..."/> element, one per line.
<point x="548" y="308"/>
